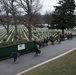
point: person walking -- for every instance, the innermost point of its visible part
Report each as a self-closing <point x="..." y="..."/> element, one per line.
<point x="59" y="39"/>
<point x="37" y="51"/>
<point x="14" y="55"/>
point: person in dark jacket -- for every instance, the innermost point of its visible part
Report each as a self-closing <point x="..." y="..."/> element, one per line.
<point x="36" y="51"/>
<point x="14" y="55"/>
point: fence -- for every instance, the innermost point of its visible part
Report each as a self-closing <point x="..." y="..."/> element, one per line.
<point x="23" y="48"/>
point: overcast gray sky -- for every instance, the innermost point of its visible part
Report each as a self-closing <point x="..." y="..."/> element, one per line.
<point x="48" y="5"/>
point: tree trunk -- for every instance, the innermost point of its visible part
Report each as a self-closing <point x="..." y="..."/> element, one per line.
<point x="62" y="31"/>
<point x="14" y="18"/>
<point x="8" y="30"/>
<point x="30" y="32"/>
<point x="15" y="26"/>
<point x="7" y="24"/>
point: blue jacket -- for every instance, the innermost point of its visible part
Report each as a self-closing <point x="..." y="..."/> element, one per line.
<point x="14" y="54"/>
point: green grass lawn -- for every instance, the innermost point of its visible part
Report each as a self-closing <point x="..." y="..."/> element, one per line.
<point x="65" y="65"/>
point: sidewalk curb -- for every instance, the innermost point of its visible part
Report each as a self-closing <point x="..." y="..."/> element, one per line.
<point x="46" y="61"/>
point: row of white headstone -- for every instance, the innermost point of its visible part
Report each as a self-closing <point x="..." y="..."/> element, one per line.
<point x="23" y="32"/>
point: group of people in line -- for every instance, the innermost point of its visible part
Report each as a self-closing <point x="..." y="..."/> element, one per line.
<point x="37" y="51"/>
<point x="57" y="37"/>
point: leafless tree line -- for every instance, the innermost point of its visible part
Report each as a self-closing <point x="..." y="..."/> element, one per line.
<point x="14" y="12"/>
<point x="15" y="8"/>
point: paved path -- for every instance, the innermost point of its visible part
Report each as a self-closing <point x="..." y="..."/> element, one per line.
<point x="7" y="67"/>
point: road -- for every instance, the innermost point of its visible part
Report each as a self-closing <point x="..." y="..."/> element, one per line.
<point x="7" y="67"/>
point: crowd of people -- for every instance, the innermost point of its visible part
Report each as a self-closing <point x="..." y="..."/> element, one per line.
<point x="58" y="37"/>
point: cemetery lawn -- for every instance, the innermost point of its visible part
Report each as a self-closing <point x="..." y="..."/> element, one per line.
<point x="65" y="65"/>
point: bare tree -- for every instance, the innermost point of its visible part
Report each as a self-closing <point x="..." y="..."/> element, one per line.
<point x="13" y="7"/>
<point x="30" y="7"/>
<point x="37" y="19"/>
<point x="48" y="18"/>
<point x="5" y="22"/>
<point x="14" y="16"/>
<point x="9" y="9"/>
